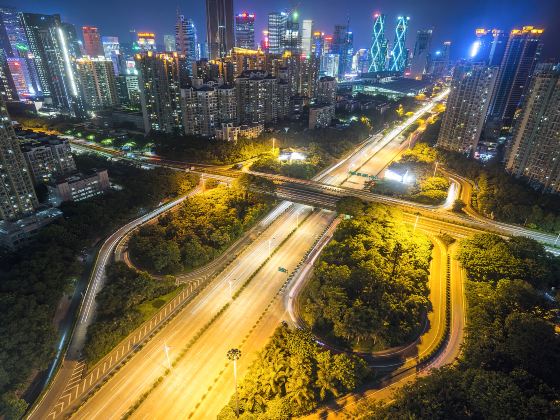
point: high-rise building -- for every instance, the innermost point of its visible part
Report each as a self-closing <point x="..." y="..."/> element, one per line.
<point x="245" y="30"/>
<point x="534" y="153"/>
<point x="169" y="43"/>
<point x="471" y="89"/>
<point x="292" y="38"/>
<point x="421" y="52"/>
<point x="48" y="158"/>
<point x="160" y="91"/>
<point x="186" y="41"/>
<point x="111" y="46"/>
<point x="378" y="49"/>
<point x="398" y="56"/>
<point x="51" y="56"/>
<point x="306" y="36"/>
<point x="489" y="46"/>
<point x="92" y="41"/>
<point x="521" y="55"/>
<point x="330" y="65"/>
<point x="17" y="70"/>
<point x="361" y="61"/>
<point x="257" y="97"/>
<point x="438" y="62"/>
<point x="277" y="25"/>
<point x="219" y="27"/>
<point x="326" y="90"/>
<point x="8" y="90"/>
<point x="75" y="47"/>
<point x="308" y="76"/>
<point x="342" y="46"/>
<point x="318" y="44"/>
<point x="146" y="41"/>
<point x="200" y="110"/>
<point x="112" y="51"/>
<point x="97" y="81"/>
<point x="17" y="196"/>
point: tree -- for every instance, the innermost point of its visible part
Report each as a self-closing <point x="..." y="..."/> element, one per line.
<point x="458" y="205"/>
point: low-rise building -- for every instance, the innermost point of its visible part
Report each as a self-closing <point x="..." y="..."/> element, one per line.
<point x="321" y="116"/>
<point x="231" y="132"/>
<point x="14" y="234"/>
<point x="79" y="186"/>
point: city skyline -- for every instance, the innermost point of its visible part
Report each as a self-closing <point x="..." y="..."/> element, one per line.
<point x="456" y="22"/>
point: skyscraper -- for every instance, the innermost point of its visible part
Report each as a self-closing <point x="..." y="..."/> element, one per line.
<point x="342" y="46"/>
<point x="18" y="61"/>
<point x="489" y="46"/>
<point x="292" y="38"/>
<point x="245" y="30"/>
<point x="471" y="88"/>
<point x="97" y="81"/>
<point x="219" y="27"/>
<point x="51" y="56"/>
<point x="186" y="41"/>
<point x="421" y="51"/>
<point x="378" y="50"/>
<point x="146" y="41"/>
<point x="318" y="44"/>
<point x="92" y="41"/>
<point x="438" y="62"/>
<point x="160" y="91"/>
<point x="534" y="153"/>
<point x="398" y="56"/>
<point x="306" y="36"/>
<point x="276" y="31"/>
<point x="17" y="196"/>
<point x="169" y="43"/>
<point x="521" y="55"/>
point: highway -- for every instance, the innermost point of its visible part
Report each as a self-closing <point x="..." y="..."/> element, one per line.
<point x="180" y="392"/>
<point x="72" y="360"/>
<point x="199" y="383"/>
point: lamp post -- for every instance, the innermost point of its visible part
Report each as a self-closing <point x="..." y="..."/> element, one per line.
<point x="234" y="355"/>
<point x="435" y="168"/>
<point x="166" y="349"/>
<point x="415" y="223"/>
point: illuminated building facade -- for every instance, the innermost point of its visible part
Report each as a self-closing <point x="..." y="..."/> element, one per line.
<point x="489" y="46"/>
<point x="146" y="41"/>
<point x="421" y="53"/>
<point x="92" y="42"/>
<point x="398" y="56"/>
<point x="306" y="36"/>
<point x="522" y="52"/>
<point x="219" y="27"/>
<point x="318" y="44"/>
<point x="326" y="90"/>
<point x="186" y="41"/>
<point x="160" y="92"/>
<point x="534" y="153"/>
<point x="169" y="43"/>
<point x="18" y="60"/>
<point x="245" y="30"/>
<point x="17" y="196"/>
<point x="51" y="55"/>
<point x="292" y="38"/>
<point x="277" y="22"/>
<point x="342" y="46"/>
<point x="378" y="50"/>
<point x="467" y="104"/>
<point x="97" y="81"/>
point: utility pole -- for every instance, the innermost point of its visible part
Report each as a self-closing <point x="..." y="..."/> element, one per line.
<point x="234" y="355"/>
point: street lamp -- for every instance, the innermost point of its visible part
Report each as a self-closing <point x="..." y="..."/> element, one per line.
<point x="166" y="350"/>
<point x="269" y="244"/>
<point x="234" y="355"/>
<point x="435" y="168"/>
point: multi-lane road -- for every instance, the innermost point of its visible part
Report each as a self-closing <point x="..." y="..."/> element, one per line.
<point x="199" y="381"/>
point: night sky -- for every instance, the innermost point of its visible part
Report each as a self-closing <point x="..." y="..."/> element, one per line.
<point x="453" y="20"/>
